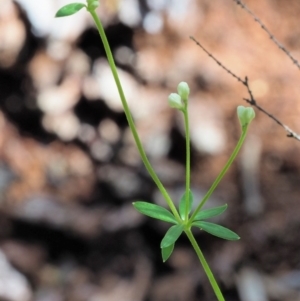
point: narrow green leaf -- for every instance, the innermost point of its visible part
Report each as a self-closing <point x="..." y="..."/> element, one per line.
<point x="166" y="252"/>
<point x="217" y="230"/>
<point x="171" y="236"/>
<point x="182" y="204"/>
<point x="155" y="211"/>
<point x="208" y="213"/>
<point x="69" y="9"/>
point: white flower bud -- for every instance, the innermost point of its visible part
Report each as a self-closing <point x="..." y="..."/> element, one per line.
<point x="93" y="4"/>
<point x="245" y="115"/>
<point x="175" y="101"/>
<point x="183" y="90"/>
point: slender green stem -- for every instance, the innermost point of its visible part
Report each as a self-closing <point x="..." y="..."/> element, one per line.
<point x="188" y="160"/>
<point x="221" y="174"/>
<point x="205" y="265"/>
<point x="129" y="117"/>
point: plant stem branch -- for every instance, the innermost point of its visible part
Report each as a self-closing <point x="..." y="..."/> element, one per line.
<point x="221" y="174"/>
<point x="205" y="265"/>
<point x="188" y="160"/>
<point x="129" y="116"/>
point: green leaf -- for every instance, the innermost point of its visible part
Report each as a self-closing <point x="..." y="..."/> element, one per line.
<point x="166" y="252"/>
<point x="155" y="211"/>
<point x="208" y="213"/>
<point x="69" y="9"/>
<point x="217" y="230"/>
<point x="182" y="204"/>
<point x="171" y="236"/>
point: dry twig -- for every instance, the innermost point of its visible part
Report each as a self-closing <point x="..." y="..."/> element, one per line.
<point x="271" y="36"/>
<point x="251" y="100"/>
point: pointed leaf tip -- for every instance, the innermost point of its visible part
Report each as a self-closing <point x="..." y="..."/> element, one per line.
<point x="166" y="252"/>
<point x="171" y="236"/>
<point x="216" y="230"/>
<point x="155" y="211"/>
<point x="182" y="204"/>
<point x="211" y="212"/>
<point x="69" y="9"/>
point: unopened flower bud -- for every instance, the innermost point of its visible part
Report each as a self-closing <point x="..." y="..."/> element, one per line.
<point x="175" y="101"/>
<point x="245" y="115"/>
<point x="93" y="4"/>
<point x="183" y="90"/>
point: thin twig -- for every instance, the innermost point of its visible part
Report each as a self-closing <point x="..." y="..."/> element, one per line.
<point x="216" y="60"/>
<point x="252" y="101"/>
<point x="290" y="133"/>
<point x="271" y="36"/>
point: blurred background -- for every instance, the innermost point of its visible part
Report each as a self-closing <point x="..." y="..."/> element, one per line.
<point x="69" y="170"/>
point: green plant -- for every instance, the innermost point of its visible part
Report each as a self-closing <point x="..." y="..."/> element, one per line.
<point x="182" y="218"/>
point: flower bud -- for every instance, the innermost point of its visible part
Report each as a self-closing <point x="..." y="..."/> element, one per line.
<point x="175" y="101"/>
<point x="93" y="4"/>
<point x="245" y="115"/>
<point x="183" y="90"/>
